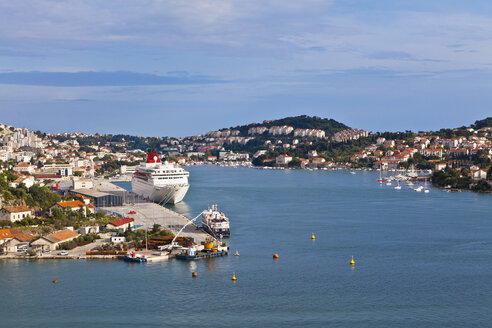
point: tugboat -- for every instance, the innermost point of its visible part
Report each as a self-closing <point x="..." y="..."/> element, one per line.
<point x="215" y="223"/>
<point x="132" y="257"/>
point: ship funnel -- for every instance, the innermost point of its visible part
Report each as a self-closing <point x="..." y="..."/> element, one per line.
<point x="153" y="158"/>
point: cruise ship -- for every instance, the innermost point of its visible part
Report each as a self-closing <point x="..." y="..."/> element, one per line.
<point x="159" y="182"/>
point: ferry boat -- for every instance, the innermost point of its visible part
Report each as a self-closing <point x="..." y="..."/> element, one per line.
<point x="160" y="182"/>
<point x="215" y="223"/>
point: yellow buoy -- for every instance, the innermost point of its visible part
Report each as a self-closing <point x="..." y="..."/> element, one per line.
<point x="313" y="237"/>
<point x="237" y="253"/>
<point x="234" y="276"/>
<point x="352" y="262"/>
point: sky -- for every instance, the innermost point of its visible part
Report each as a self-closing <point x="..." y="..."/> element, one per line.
<point x="180" y="68"/>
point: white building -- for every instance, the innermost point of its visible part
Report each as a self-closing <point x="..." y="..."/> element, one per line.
<point x="121" y="224"/>
<point x="79" y="183"/>
<point x="309" y="133"/>
<point x="478" y="174"/>
<point x="24" y="167"/>
<point x="280" y="130"/>
<point x="257" y="130"/>
<point x="28" y="181"/>
<point x="88" y="230"/>
<point x="283" y="159"/>
<point x="117" y="239"/>
<point x="15" y="213"/>
<point x="380" y="141"/>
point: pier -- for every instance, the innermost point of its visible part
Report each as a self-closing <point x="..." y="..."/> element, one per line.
<point x="148" y="214"/>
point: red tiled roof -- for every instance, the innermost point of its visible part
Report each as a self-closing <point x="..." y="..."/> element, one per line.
<point x="64" y="234"/>
<point x="73" y="203"/>
<point x="23" y="237"/>
<point x="47" y="176"/>
<point x="16" y="209"/>
<point x="120" y="222"/>
<point x="5" y="233"/>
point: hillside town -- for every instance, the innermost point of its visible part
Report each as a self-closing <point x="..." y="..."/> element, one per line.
<point x="70" y="160"/>
<point x="48" y="195"/>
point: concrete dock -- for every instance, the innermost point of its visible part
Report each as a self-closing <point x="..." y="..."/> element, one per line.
<point x="148" y="214"/>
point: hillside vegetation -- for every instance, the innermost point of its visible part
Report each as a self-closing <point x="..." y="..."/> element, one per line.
<point x="330" y="126"/>
<point x="486" y="122"/>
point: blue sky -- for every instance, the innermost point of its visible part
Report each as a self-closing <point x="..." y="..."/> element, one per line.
<point x="180" y="68"/>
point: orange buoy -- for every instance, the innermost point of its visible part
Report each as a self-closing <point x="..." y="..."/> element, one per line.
<point x="194" y="274"/>
<point x="275" y="256"/>
<point x="55" y="281"/>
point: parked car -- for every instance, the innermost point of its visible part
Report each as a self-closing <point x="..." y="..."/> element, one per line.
<point x="132" y="212"/>
<point x="63" y="253"/>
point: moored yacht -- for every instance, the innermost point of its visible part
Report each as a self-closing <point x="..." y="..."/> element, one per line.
<point x="215" y="222"/>
<point x="160" y="182"/>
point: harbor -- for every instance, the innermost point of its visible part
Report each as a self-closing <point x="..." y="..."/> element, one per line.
<point x="402" y="242"/>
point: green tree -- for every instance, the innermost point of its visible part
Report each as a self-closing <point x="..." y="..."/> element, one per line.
<point x="296" y="162"/>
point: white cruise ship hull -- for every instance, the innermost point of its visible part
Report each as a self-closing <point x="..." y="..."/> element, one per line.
<point x="161" y="194"/>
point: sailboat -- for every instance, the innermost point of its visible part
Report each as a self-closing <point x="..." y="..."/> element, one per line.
<point x="398" y="187"/>
<point x="380" y="180"/>
<point x="425" y="187"/>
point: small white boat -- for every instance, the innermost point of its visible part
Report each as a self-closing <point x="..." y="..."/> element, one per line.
<point x="388" y="183"/>
<point x="398" y="187"/>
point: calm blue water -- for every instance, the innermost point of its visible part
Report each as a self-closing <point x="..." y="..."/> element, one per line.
<point x="422" y="260"/>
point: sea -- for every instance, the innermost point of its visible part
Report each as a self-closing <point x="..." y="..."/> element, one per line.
<point x="421" y="260"/>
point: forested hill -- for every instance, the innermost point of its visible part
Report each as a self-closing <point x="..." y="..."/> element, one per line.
<point x="330" y="126"/>
<point x="487" y="122"/>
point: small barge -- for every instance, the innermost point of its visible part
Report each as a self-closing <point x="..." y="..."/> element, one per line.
<point x="200" y="255"/>
<point x="209" y="251"/>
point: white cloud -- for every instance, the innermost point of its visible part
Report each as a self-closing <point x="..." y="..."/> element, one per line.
<point x="312" y="34"/>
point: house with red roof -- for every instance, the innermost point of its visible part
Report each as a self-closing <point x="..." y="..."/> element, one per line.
<point x="24" y="167"/>
<point x="19" y="242"/>
<point x="15" y="213"/>
<point x="283" y="159"/>
<point x="52" y="241"/>
<point x="74" y="205"/>
<point x="121" y="224"/>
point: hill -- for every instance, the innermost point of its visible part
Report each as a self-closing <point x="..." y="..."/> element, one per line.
<point x="486" y="122"/>
<point x="330" y="126"/>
